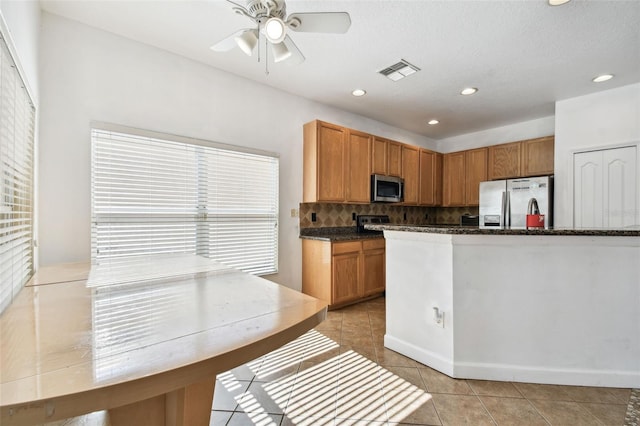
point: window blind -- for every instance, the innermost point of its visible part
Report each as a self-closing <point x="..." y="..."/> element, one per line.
<point x="155" y="195"/>
<point x="17" y="123"/>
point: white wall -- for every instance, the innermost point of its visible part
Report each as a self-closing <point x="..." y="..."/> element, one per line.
<point x="505" y="134"/>
<point x="604" y="119"/>
<point x="88" y="74"/>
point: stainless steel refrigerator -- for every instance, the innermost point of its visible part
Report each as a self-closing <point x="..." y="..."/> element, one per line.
<point x="505" y="204"/>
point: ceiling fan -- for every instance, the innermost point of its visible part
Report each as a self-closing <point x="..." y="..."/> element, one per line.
<point x="273" y="24"/>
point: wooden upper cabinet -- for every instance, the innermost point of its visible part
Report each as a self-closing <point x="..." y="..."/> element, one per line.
<point x="462" y="173"/>
<point x="386" y="157"/>
<point x="430" y="178"/>
<point x="533" y="157"/>
<point x="411" y="174"/>
<point x="394" y="159"/>
<point x="379" y="159"/>
<point x="537" y="156"/>
<point x="453" y="179"/>
<point x="324" y="162"/>
<point x="357" y="171"/>
<point x="438" y="179"/>
<point x="339" y="162"/>
<point x="336" y="164"/>
<point x="505" y="161"/>
<point x="476" y="172"/>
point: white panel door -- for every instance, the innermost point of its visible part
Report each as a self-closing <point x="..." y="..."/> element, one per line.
<point x="620" y="186"/>
<point x="605" y="188"/>
<point x="587" y="191"/>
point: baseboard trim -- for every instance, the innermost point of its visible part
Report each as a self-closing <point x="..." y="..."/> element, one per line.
<point x="515" y="373"/>
<point x="431" y="359"/>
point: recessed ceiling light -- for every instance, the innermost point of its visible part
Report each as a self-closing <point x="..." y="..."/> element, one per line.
<point x="558" y="2"/>
<point x="359" y="92"/>
<point x="434" y="121"/>
<point x="468" y="91"/>
<point x="603" y="77"/>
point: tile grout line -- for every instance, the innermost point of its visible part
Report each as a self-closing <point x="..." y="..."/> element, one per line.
<point x="483" y="406"/>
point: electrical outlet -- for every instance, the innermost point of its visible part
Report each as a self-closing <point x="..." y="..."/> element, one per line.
<point x="438" y="317"/>
<point x="353" y="216"/>
<point x="313" y="217"/>
<point x="294" y="212"/>
<point x="405" y="216"/>
<point x="440" y="322"/>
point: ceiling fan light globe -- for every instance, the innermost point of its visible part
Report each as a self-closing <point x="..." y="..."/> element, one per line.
<point x="280" y="52"/>
<point x="247" y="41"/>
<point x="275" y="30"/>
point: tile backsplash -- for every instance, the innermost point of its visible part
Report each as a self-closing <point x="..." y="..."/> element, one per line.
<point x="338" y="215"/>
<point x="451" y="215"/>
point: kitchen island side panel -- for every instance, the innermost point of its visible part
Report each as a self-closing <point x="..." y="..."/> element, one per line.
<point x="548" y="309"/>
<point x="414" y="288"/>
<point x="532" y="308"/>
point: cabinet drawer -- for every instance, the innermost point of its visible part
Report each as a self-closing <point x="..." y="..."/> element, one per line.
<point x="346" y="247"/>
<point x="377" y="243"/>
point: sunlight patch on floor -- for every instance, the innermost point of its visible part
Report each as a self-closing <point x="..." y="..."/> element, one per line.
<point x="346" y="387"/>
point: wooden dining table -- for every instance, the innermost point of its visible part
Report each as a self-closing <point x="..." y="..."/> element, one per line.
<point x="143" y="339"/>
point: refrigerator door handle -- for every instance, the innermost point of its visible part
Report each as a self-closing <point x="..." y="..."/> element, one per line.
<point x="506" y="210"/>
<point x="503" y="206"/>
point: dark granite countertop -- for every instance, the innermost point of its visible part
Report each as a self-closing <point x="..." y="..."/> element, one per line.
<point x="344" y="233"/>
<point x="472" y="230"/>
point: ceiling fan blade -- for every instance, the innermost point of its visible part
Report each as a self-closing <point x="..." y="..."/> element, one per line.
<point x="238" y="5"/>
<point x="241" y="10"/>
<point x="320" y="22"/>
<point x="296" y="55"/>
<point x="229" y="42"/>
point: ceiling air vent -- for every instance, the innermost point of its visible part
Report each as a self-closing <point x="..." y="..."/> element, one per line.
<point x="399" y="71"/>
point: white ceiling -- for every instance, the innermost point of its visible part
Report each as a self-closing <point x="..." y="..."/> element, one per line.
<point x="523" y="55"/>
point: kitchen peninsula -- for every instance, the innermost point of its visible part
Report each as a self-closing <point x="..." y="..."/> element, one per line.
<point x="544" y="306"/>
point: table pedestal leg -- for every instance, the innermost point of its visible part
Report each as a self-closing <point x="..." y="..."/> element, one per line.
<point x="188" y="406"/>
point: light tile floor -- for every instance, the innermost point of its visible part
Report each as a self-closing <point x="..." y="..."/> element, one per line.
<point x="340" y="373"/>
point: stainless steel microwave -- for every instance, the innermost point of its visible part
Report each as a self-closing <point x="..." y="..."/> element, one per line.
<point x="386" y="189"/>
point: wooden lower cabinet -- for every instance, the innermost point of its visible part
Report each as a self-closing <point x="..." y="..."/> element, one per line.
<point x="343" y="272"/>
<point x="373" y="271"/>
<point x="346" y="274"/>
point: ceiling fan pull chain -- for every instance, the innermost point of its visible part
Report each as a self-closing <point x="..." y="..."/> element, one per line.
<point x="259" y="38"/>
<point x="266" y="57"/>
